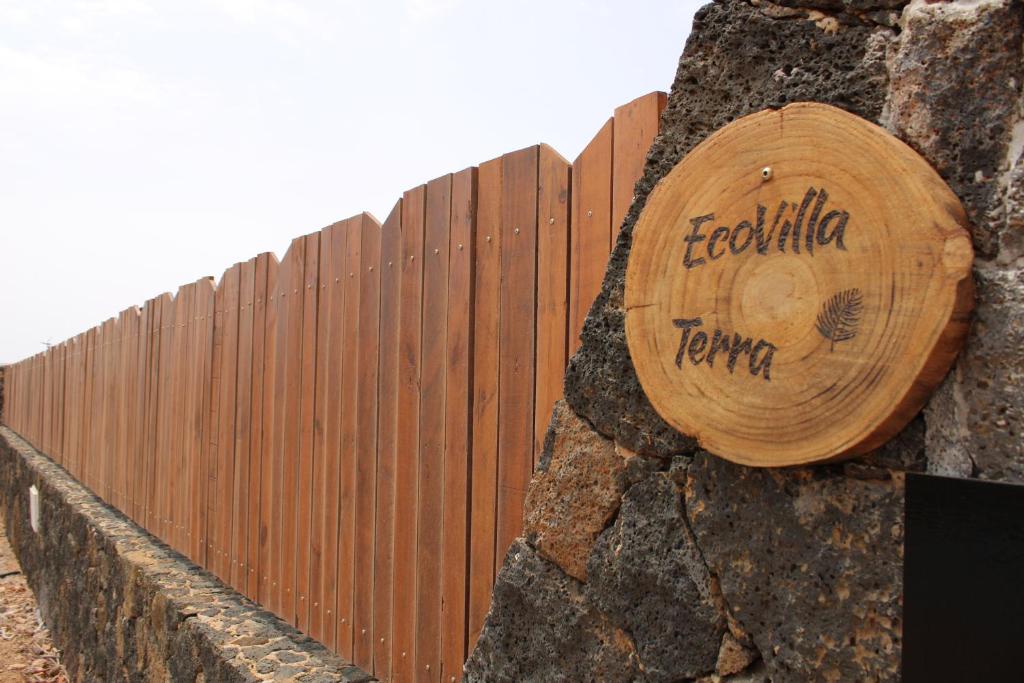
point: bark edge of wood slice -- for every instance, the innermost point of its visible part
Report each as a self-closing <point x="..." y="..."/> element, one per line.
<point x="797" y="287"/>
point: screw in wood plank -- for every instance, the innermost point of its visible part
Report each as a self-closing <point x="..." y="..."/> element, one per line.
<point x="517" y="231"/>
<point x="766" y="173"/>
<point x="389" y="264"/>
<point x="403" y="654"/>
<point x="413" y="257"/>
<point x="488" y="238"/>
<point x="364" y="631"/>
<point x="381" y="641"/>
<point x="590" y="214"/>
<point x="371" y="268"/>
<point x="428" y="667"/>
<point x="551" y="221"/>
<point x="460" y="247"/>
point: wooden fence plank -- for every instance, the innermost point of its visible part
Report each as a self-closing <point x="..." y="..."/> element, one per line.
<point x="202" y="416"/>
<point x="271" y="441"/>
<point x="292" y="416"/>
<point x="636" y="125"/>
<point x="322" y="493"/>
<point x="157" y="490"/>
<point x="243" y="425"/>
<point x="517" y="345"/>
<point x="553" y="204"/>
<point x="347" y="447"/>
<point x="432" y="428"/>
<point x="591" y="218"/>
<point x="458" y="419"/>
<point x="304" y="492"/>
<point x="258" y="355"/>
<point x="403" y="653"/>
<point x="390" y="289"/>
<point x="226" y="422"/>
<point x="366" y="442"/>
<point x="486" y="346"/>
<point x="177" y="485"/>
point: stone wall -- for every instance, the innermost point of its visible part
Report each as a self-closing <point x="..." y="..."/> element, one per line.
<point x="647" y="559"/>
<point x="121" y="606"/>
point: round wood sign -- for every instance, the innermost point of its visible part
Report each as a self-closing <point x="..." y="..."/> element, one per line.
<point x="797" y="286"/>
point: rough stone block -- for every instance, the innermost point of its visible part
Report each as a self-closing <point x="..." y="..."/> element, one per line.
<point x="809" y="562"/>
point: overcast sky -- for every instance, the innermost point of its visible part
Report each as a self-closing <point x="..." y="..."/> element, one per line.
<point x="145" y="144"/>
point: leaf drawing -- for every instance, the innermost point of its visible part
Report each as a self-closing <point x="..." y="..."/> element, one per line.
<point x="839" y="316"/>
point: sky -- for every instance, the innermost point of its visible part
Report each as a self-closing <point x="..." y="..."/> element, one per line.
<point x="146" y="144"/>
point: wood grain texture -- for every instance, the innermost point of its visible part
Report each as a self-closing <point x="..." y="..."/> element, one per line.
<point x="591" y="226"/>
<point x="304" y="475"/>
<point x="636" y="125"/>
<point x="387" y="426"/>
<point x="553" y="209"/>
<point x="518" y="341"/>
<point x="349" y="413"/>
<point x="268" y="481"/>
<point x="364" y="513"/>
<point x="839" y="278"/>
<point x="243" y="426"/>
<point x="324" y="521"/>
<point x="486" y="346"/>
<point x="407" y="447"/>
<point x="458" y="421"/>
<point x="250" y="586"/>
<point x="433" y="378"/>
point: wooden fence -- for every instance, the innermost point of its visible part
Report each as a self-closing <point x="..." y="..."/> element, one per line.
<point x="346" y="436"/>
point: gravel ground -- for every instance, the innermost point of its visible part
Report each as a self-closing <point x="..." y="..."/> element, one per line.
<point x="26" y="653"/>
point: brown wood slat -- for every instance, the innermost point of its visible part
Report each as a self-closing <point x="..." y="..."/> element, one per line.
<point x="252" y="522"/>
<point x="366" y="442"/>
<point x="269" y="481"/>
<point x="226" y="423"/>
<point x="387" y="392"/>
<point x="432" y="428"/>
<point x="321" y="493"/>
<point x="288" y="384"/>
<point x="304" y="492"/>
<point x="347" y="447"/>
<point x="517" y="345"/>
<point x="403" y="628"/>
<point x="290" y="359"/>
<point x="142" y="492"/>
<point x="201" y="419"/>
<point x="553" y="206"/>
<point x="486" y="345"/>
<point x="591" y="221"/>
<point x="243" y="426"/>
<point x="458" y="419"/>
<point x="636" y="125"/>
<point x="177" y="485"/>
<point x="327" y="438"/>
<point x="158" y="487"/>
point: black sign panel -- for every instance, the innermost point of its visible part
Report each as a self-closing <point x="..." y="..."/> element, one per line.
<point x="963" y="581"/>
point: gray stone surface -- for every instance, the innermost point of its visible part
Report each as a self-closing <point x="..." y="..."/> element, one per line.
<point x="957" y="97"/>
<point x="540" y="628"/>
<point x="737" y="61"/>
<point x="648" y="577"/>
<point x="809" y="561"/>
<point x="121" y="606"/>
